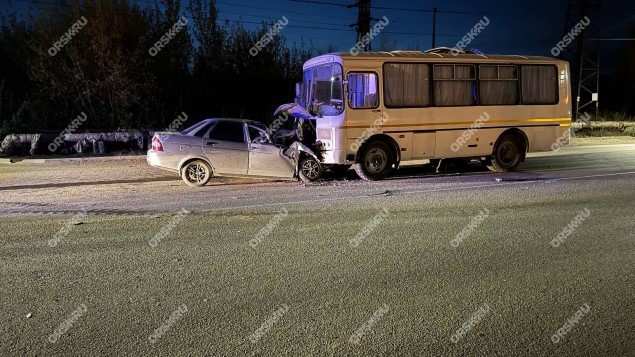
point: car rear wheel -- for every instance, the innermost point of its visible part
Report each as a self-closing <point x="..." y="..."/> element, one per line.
<point x="196" y="173"/>
<point x="309" y="169"/>
<point x="375" y="162"/>
<point x="508" y="154"/>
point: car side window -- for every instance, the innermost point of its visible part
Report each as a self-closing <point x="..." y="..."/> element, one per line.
<point x="203" y="130"/>
<point x="228" y="131"/>
<point x="258" y="136"/>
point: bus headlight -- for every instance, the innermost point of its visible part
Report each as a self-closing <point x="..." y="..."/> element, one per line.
<point x="325" y="136"/>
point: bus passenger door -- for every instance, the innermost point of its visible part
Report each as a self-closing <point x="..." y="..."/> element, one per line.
<point x="365" y="115"/>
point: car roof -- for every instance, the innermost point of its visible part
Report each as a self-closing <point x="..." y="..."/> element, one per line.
<point x="248" y="121"/>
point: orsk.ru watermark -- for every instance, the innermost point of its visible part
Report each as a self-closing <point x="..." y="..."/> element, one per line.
<point x="357" y="336"/>
<point x="168" y="228"/>
<point x="470" y="36"/>
<point x="565" y="138"/>
<point x="177" y="123"/>
<point x="168" y="36"/>
<point x="66" y="229"/>
<point x="269" y="36"/>
<point x="469" y="133"/>
<point x="571" y="323"/>
<point x="375" y="128"/>
<point x="66" y="38"/>
<point x="475" y="222"/>
<point x="369" y="228"/>
<point x="70" y="129"/>
<point x="68" y="323"/>
<point x="175" y="316"/>
<point x="268" y="229"/>
<point x="561" y="141"/>
<point x="370" y="36"/>
<point x="571" y="36"/>
<point x="468" y="325"/>
<point x="278" y="123"/>
<point x="268" y="324"/>
<point x="571" y="228"/>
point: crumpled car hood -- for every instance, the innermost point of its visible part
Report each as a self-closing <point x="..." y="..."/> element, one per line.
<point x="292" y="109"/>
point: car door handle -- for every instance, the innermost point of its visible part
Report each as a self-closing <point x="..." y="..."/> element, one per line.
<point x="212" y="143"/>
<point x="376" y="111"/>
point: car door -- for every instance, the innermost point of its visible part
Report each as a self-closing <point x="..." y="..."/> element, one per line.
<point x="226" y="148"/>
<point x="265" y="158"/>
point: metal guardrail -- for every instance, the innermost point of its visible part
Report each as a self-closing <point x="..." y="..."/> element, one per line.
<point x="97" y="143"/>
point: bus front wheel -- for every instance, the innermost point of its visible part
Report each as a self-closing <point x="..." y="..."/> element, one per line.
<point x="375" y="162"/>
<point x="508" y="154"/>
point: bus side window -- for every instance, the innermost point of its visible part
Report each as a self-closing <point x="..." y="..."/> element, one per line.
<point x="454" y="85"/>
<point x="363" y="90"/>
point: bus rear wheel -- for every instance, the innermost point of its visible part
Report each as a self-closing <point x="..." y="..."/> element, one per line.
<point x="508" y="154"/>
<point x="376" y="161"/>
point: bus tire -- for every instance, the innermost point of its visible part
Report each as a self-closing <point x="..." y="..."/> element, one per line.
<point x="375" y="162"/>
<point x="508" y="154"/>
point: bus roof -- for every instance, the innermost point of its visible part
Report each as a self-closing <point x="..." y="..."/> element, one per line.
<point x="418" y="55"/>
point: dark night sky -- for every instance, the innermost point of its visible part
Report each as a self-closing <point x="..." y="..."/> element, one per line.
<point x="517" y="27"/>
<point x="526" y="27"/>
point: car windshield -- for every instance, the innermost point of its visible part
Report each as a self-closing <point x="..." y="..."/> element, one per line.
<point x="322" y="90"/>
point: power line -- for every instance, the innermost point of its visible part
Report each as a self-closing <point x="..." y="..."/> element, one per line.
<point x="364" y="17"/>
<point x="268" y="18"/>
<point x="334" y="29"/>
<point x="385" y="7"/>
<point x="323" y="3"/>
<point x="269" y="9"/>
<point x="610" y="39"/>
<point x="424" y="10"/>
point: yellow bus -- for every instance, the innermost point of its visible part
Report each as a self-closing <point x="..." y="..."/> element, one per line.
<point x="378" y="110"/>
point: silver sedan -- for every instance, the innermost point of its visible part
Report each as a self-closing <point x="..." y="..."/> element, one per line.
<point x="230" y="147"/>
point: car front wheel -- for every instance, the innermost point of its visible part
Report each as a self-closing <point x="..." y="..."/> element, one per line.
<point x="196" y="173"/>
<point x="309" y="169"/>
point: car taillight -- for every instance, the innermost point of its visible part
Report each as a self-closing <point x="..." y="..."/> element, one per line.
<point x="156" y="144"/>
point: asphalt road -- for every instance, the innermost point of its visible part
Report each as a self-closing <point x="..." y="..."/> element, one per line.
<point x="160" y="194"/>
<point x="420" y="264"/>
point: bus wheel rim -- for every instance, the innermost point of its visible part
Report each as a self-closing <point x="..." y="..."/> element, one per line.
<point x="376" y="160"/>
<point x="508" y="153"/>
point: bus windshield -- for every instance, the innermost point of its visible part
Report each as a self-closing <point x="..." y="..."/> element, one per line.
<point x="322" y="90"/>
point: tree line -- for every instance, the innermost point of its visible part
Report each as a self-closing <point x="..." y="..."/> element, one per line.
<point x="131" y="66"/>
<point x="128" y="66"/>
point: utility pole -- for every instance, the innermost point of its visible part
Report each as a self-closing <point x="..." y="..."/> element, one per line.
<point x="434" y="27"/>
<point x="588" y="84"/>
<point x="363" y="20"/>
<point x="584" y="63"/>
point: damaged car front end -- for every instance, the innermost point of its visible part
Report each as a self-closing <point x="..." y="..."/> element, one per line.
<point x="230" y="147"/>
